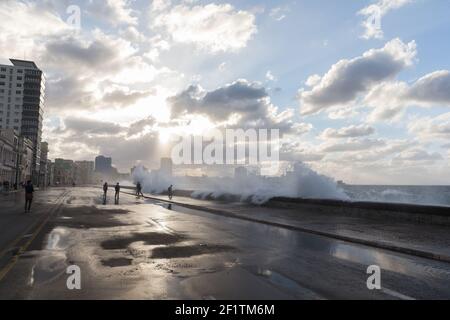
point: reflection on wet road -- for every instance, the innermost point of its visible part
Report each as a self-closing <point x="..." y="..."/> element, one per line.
<point x="143" y="249"/>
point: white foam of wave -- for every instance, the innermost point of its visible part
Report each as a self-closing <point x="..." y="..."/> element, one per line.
<point x="300" y="181"/>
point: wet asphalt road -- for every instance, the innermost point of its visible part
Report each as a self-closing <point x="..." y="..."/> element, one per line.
<point x="142" y="249"/>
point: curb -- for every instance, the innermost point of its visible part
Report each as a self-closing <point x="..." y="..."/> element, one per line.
<point x="375" y="244"/>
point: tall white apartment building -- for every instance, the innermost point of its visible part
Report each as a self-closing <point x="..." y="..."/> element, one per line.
<point x="22" y="92"/>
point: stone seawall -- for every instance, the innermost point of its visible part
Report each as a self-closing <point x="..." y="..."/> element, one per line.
<point x="379" y="210"/>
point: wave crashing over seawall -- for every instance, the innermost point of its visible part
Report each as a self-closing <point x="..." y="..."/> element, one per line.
<point x="299" y="182"/>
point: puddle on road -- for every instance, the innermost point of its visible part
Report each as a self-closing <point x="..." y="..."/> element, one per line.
<point x="188" y="251"/>
<point x="86" y="217"/>
<point x="117" y="262"/>
<point x="149" y="238"/>
<point x="48" y="267"/>
<point x="387" y="261"/>
<point x="51" y="262"/>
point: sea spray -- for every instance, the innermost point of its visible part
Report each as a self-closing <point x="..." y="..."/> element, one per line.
<point x="299" y="181"/>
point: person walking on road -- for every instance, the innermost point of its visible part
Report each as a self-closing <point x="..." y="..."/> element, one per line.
<point x="105" y="192"/>
<point x="139" y="190"/>
<point x="116" y="197"/>
<point x="28" y="196"/>
<point x="170" y="192"/>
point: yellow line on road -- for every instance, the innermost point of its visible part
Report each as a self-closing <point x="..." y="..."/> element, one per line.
<point x="27" y="231"/>
<point x="24" y="247"/>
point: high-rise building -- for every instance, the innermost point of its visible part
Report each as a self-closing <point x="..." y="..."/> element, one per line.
<point x="103" y="165"/>
<point x="22" y="91"/>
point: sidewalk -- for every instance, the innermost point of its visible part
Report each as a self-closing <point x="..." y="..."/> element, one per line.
<point x="427" y="241"/>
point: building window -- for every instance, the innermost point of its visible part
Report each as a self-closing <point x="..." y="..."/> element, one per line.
<point x="3" y="69"/>
<point x="18" y="92"/>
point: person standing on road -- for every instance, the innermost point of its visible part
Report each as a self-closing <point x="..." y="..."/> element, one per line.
<point x="105" y="191"/>
<point x="28" y="196"/>
<point x="170" y="192"/>
<point x="139" y="190"/>
<point x="116" y="198"/>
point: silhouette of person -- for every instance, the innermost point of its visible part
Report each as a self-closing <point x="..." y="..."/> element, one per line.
<point x="139" y="190"/>
<point x="170" y="192"/>
<point x="28" y="196"/>
<point x="116" y="198"/>
<point x="105" y="191"/>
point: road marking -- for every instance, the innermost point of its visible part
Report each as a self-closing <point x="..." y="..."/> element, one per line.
<point x="26" y="233"/>
<point x="23" y="248"/>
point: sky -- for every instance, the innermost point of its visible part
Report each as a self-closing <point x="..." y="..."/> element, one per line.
<point x="360" y="90"/>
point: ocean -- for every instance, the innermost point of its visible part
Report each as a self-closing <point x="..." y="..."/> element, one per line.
<point x="424" y="195"/>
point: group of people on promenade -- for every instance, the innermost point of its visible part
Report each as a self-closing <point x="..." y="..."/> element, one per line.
<point x="116" y="196"/>
<point x="29" y="192"/>
<point x="138" y="192"/>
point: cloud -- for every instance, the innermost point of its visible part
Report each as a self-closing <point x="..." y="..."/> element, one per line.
<point x="25" y="25"/>
<point x="279" y="13"/>
<point x="343" y="112"/>
<point x="348" y="79"/>
<point x="390" y="99"/>
<point x="123" y="98"/>
<point x="102" y="53"/>
<point x="33" y="21"/>
<point x="103" y="71"/>
<point x="348" y="132"/>
<point x="214" y="28"/>
<point x="115" y="12"/>
<point x="69" y="92"/>
<point x="418" y="155"/>
<point x="352" y="145"/>
<point x="270" y="76"/>
<point x="296" y="150"/>
<point x="431" y="128"/>
<point x="390" y="148"/>
<point x="222" y="67"/>
<point x="94" y="137"/>
<point x="247" y="103"/>
<point x="300" y="155"/>
<point x="160" y="5"/>
<point x="91" y="127"/>
<point x="432" y="89"/>
<point x="301" y="128"/>
<point x="374" y="13"/>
